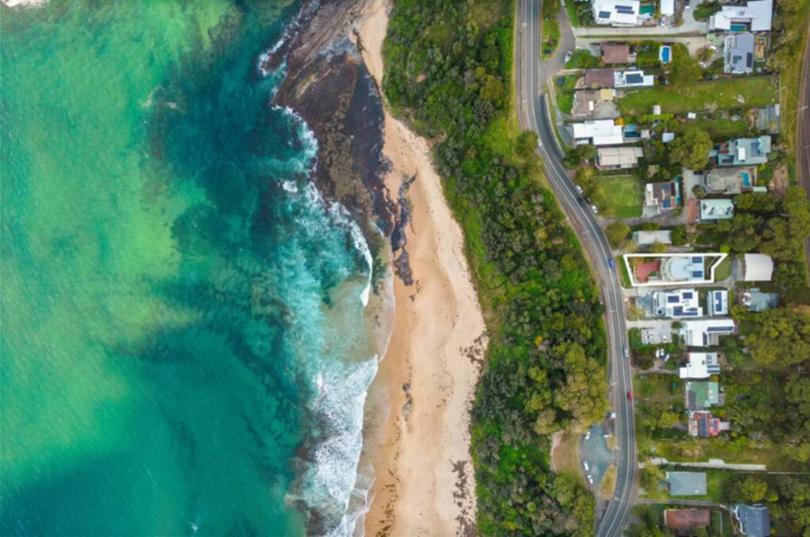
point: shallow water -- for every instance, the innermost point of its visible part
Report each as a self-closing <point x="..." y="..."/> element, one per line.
<point x="184" y="342"/>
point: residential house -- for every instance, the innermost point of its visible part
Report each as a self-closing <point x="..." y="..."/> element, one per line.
<point x="756" y="268"/>
<point x="632" y="79"/>
<point x="615" y="53"/>
<point x="717" y="302"/>
<point x="615" y="158"/>
<point x="667" y="8"/>
<point x="729" y="181"/>
<point x="738" y="53"/>
<point x="716" y="209"/>
<point x="595" y="104"/>
<point x="648" y="238"/>
<point x="703" y="425"/>
<point x="597" y="132"/>
<point x="598" y="78"/>
<point x="662" y="196"/>
<point x="701" y="365"/>
<point x="755" y="16"/>
<point x="701" y="394"/>
<point x="752" y="520"/>
<point x="616" y="12"/>
<point x="671" y="269"/>
<point x="677" y="304"/>
<point x="706" y="332"/>
<point x="756" y="300"/>
<point x="684" y="522"/>
<point x="686" y="483"/>
<point x="742" y="151"/>
<point x="769" y="118"/>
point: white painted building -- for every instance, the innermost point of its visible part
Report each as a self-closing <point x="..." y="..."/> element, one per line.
<point x="632" y="79"/>
<point x="717" y="302"/>
<point x="701" y="365"/>
<point x="677" y="303"/>
<point x="616" y="12"/>
<point x="755" y="16"/>
<point x="597" y="132"/>
<point x="667" y="8"/>
<point x="706" y="332"/>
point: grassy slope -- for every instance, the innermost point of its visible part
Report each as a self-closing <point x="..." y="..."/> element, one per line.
<point x="618" y="196"/>
<point x="716" y="94"/>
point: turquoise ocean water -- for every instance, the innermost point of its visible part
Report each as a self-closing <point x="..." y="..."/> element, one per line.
<point x="185" y="347"/>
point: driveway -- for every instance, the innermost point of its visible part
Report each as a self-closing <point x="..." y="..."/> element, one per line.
<point x="693" y="43"/>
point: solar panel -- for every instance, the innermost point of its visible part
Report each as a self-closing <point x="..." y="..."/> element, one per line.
<point x="688" y="294"/>
<point x="672" y="299"/>
<point x="628" y="10"/>
<point x="718" y="329"/>
<point x="697" y="273"/>
<point x="604" y="14"/>
<point x="634" y="78"/>
<point x="749" y="60"/>
<point x="697" y="260"/>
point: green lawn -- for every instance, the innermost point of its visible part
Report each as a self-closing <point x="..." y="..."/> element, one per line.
<point x="582" y="59"/>
<point x="551" y="36"/>
<point x="573" y="14"/>
<point x="618" y="196"/>
<point x="721" y="94"/>
<point x="723" y="270"/>
<point x="704" y="11"/>
<point x="721" y="128"/>
<point x="565" y="93"/>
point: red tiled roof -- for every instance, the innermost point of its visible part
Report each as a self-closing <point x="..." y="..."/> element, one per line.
<point x="685" y="519"/>
<point x="613" y="53"/>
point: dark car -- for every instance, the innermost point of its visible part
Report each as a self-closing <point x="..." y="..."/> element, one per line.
<point x="611" y="263"/>
<point x="629" y="396"/>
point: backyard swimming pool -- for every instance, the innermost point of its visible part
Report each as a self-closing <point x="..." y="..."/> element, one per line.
<point x="746" y="179"/>
<point x="665" y="53"/>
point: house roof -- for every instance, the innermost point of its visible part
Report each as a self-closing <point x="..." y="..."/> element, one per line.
<point x="687" y="483"/>
<point x="702" y="394"/>
<point x="757" y="268"/>
<point x="702" y="333"/>
<point x="717" y="302"/>
<point x="616" y="12"/>
<point x="647" y="238"/>
<point x="686" y="519"/>
<point x="632" y="79"/>
<point x="613" y="53"/>
<point x="701" y="365"/>
<point x="667" y="7"/>
<point x="729" y="180"/>
<point x="618" y="156"/>
<point x="716" y="209"/>
<point x="742" y="151"/>
<point x="599" y="78"/>
<point x="756" y="300"/>
<point x="755" y="521"/>
<point x="599" y="132"/>
<point x="757" y="15"/>
<point x="738" y="53"/>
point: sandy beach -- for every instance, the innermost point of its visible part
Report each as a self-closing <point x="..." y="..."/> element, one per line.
<point x="417" y="415"/>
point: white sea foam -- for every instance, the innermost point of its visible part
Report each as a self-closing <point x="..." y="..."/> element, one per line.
<point x="332" y="483"/>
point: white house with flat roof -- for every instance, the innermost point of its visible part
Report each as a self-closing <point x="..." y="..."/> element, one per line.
<point x="616" y="158"/>
<point x="616" y="12"/>
<point x="667" y="8"/>
<point x="716" y="209"/>
<point x="671" y="269"/>
<point x="677" y="304"/>
<point x="648" y="238"/>
<point x="717" y="302"/>
<point x="757" y="268"/>
<point x="701" y="365"/>
<point x="706" y="332"/>
<point x="632" y="79"/>
<point x="754" y="16"/>
<point x="597" y="132"/>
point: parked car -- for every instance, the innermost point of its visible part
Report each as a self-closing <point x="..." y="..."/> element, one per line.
<point x="613" y="415"/>
<point x="585" y="465"/>
<point x="568" y="56"/>
<point x="579" y="188"/>
<point x="629" y="396"/>
<point x="611" y="263"/>
<point x="590" y="479"/>
<point x="594" y="209"/>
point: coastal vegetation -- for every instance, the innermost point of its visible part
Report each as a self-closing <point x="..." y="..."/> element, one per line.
<point x="448" y="73"/>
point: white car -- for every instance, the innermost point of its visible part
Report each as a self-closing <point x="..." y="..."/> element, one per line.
<point x="579" y="188"/>
<point x="613" y="415"/>
<point x="590" y="479"/>
<point x="568" y="56"/>
<point x="594" y="209"/>
<point x="585" y="465"/>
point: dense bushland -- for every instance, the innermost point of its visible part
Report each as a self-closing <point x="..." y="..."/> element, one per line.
<point x="448" y="72"/>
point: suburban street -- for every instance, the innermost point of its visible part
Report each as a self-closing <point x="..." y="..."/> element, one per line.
<point x="532" y="114"/>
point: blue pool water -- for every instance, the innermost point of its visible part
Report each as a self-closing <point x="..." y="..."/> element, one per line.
<point x="746" y="179"/>
<point x="664" y="54"/>
<point x="739" y="27"/>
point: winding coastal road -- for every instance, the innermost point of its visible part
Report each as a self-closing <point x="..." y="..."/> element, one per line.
<point x="533" y="114"/>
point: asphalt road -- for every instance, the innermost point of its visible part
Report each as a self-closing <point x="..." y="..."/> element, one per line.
<point x="532" y="115"/>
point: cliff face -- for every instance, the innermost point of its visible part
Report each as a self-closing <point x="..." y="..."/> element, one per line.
<point x="328" y="85"/>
